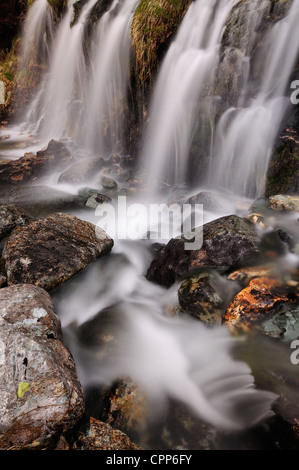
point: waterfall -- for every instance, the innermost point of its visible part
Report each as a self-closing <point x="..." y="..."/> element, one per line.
<point x="188" y="65"/>
<point x="245" y="136"/>
<point x="64" y="85"/>
<point x="106" y="101"/>
<point x="82" y="99"/>
<point x="37" y="34"/>
<point x="83" y="95"/>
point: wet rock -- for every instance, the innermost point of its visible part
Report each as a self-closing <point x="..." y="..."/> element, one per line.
<point x="152" y="26"/>
<point x="95" y="199"/>
<point x="124" y="176"/>
<point x="41" y="397"/>
<point x="10" y="217"/>
<point x="272" y="245"/>
<point x="108" y="183"/>
<point x="261" y="298"/>
<point x="47" y="252"/>
<point x="200" y="297"/>
<point x="282" y="202"/>
<point x="82" y="172"/>
<point x="32" y="167"/>
<point x="245" y="275"/>
<point x="102" y="436"/>
<point x="228" y="241"/>
<point x="282" y="175"/>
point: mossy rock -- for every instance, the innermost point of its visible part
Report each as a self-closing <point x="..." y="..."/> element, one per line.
<point x="154" y="23"/>
<point x="58" y="6"/>
<point x="282" y="176"/>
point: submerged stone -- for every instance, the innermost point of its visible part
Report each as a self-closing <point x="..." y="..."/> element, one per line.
<point x="108" y="182"/>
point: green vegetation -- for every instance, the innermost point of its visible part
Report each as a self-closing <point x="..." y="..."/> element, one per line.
<point x="154" y="22"/>
<point x="58" y="6"/>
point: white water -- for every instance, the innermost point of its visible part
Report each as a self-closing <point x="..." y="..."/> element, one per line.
<point x="37" y="34"/>
<point x="245" y="136"/>
<point x="187" y="67"/>
<point x="167" y="356"/>
<point x="79" y="98"/>
<point x="49" y="115"/>
<point x="108" y="88"/>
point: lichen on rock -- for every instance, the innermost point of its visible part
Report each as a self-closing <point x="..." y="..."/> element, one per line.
<point x="154" y="22"/>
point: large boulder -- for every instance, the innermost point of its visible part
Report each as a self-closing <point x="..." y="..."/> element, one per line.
<point x="228" y="241"/>
<point x="41" y="397"/>
<point x="48" y="251"/>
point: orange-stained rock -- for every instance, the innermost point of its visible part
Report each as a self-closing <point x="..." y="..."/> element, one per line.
<point x="263" y="296"/>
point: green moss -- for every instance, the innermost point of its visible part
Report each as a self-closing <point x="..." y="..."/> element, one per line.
<point x="154" y="22"/>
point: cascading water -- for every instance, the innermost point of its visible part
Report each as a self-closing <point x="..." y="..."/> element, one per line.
<point x="81" y="98"/>
<point x="187" y="67"/>
<point x="245" y="136"/>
